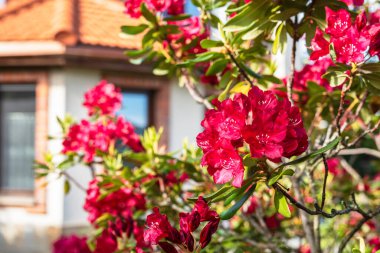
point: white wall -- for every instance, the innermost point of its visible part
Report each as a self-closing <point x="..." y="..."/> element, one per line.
<point x="185" y="117"/>
<point x="77" y="83"/>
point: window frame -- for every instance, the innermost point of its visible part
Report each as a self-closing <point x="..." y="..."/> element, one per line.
<point x="158" y="88"/>
<point x="33" y="201"/>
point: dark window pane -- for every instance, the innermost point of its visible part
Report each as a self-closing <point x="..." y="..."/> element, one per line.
<point x="135" y="108"/>
<point x="17" y="127"/>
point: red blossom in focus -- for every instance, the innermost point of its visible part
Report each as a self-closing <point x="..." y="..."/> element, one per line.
<point x="272" y="129"/>
<point x="71" y="244"/>
<point x="104" y="99"/>
<point x="120" y="203"/>
<point x="159" y="228"/>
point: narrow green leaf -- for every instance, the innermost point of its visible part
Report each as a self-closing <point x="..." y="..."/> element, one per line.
<point x="67" y="186"/>
<point x="215" y="194"/>
<point x="216" y="67"/>
<point x="335" y="78"/>
<point x="276" y="176"/>
<point x="133" y="30"/>
<point x="211" y="43"/>
<point x="228" y="214"/>
<point x="149" y="16"/>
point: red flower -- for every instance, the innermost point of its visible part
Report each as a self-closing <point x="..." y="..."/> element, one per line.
<point x="207" y="232"/>
<point x="374" y="48"/>
<point x="224" y="164"/>
<point x="159" y="228"/>
<point x="122" y="202"/>
<point x="319" y="45"/>
<point x="375" y="243"/>
<point x="132" y="8"/>
<point x="104" y="99"/>
<point x="106" y="243"/>
<point x="158" y="5"/>
<point x="71" y="244"/>
<point x="176" y="7"/>
<point x="337" y="22"/>
<point x="270" y="127"/>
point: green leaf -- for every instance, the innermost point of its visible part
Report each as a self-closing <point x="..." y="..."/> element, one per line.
<point x="216" y="67"/>
<point x="228" y="214"/>
<point x="371" y="67"/>
<point x="207" y="56"/>
<point x="67" y="186"/>
<point x="149" y="16"/>
<point x="237" y="192"/>
<point x="335" y="78"/>
<point x="211" y="43"/>
<point x="133" y="30"/>
<point x="281" y="204"/>
<point x="285" y="14"/>
<point x="276" y="176"/>
<point x="177" y="17"/>
<point x="215" y="194"/>
<point x="332" y="52"/>
<point x="279" y="39"/>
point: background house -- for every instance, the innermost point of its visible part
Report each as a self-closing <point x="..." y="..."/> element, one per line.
<point x="51" y="52"/>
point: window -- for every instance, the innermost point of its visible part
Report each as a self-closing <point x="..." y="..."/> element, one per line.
<point x="136" y="108"/>
<point x="23" y="138"/>
<point x="145" y="100"/>
<point x="17" y="136"/>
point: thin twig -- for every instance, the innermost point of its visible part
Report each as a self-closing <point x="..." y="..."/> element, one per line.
<point x="358" y="226"/>
<point x="73" y="180"/>
<point x="194" y="92"/>
<point x="241" y="70"/>
<point x="324" y="180"/>
<point x="360" y="151"/>
<point x="290" y="82"/>
<point x="346" y="87"/>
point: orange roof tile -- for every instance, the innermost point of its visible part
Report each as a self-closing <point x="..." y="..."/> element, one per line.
<point x="71" y="22"/>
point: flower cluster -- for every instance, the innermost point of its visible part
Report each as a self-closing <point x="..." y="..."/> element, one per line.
<point x="173" y="7"/>
<point x="159" y="228"/>
<point x="271" y="127"/>
<point x="71" y="244"/>
<point x="103" y="99"/>
<point x="89" y="138"/>
<point x="354" y="2"/>
<point x="349" y="39"/>
<point x="120" y="203"/>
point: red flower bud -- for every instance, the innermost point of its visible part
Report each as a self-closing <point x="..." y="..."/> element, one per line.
<point x="207" y="232"/>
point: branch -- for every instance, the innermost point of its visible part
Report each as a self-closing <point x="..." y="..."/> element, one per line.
<point x="73" y="180"/>
<point x="241" y="70"/>
<point x="358" y="226"/>
<point x="324" y="180"/>
<point x="290" y="82"/>
<point x="194" y="92"/>
<point x="360" y="151"/>
<point x="346" y="87"/>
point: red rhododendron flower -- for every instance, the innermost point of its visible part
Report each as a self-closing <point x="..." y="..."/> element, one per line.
<point x="353" y="2"/>
<point x="132" y="8"/>
<point x="105" y="243"/>
<point x="375" y="243"/>
<point x="122" y="202"/>
<point x="272" y="129"/>
<point x="71" y="244"/>
<point x="159" y="5"/>
<point x="319" y="45"/>
<point x="350" y="40"/>
<point x="337" y="22"/>
<point x="159" y="228"/>
<point x="104" y="99"/>
<point x="176" y="7"/>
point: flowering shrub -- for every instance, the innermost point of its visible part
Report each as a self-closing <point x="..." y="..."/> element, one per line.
<point x="284" y="164"/>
